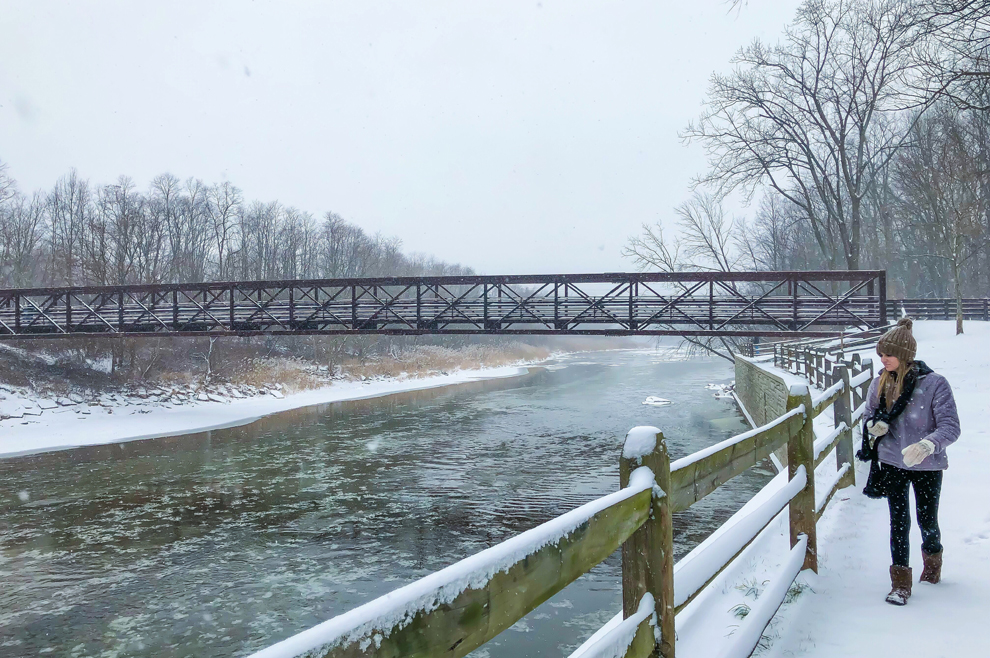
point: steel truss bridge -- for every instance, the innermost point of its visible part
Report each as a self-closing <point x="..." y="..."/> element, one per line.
<point x="771" y="304"/>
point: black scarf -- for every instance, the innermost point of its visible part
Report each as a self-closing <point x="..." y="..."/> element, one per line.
<point x="876" y="482"/>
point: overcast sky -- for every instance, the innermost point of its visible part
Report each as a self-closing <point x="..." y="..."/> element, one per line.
<point x="514" y="137"/>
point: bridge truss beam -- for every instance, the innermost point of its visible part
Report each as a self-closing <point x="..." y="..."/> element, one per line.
<point x="771" y="304"/>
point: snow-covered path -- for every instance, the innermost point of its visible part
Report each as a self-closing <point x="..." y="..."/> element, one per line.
<point x="847" y="615"/>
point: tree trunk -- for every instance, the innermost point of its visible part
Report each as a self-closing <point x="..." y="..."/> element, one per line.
<point x="957" y="287"/>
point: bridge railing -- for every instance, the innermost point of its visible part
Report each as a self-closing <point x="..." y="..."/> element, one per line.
<point x="973" y="308"/>
<point x="456" y="610"/>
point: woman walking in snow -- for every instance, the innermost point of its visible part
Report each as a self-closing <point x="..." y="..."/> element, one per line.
<point x="911" y="418"/>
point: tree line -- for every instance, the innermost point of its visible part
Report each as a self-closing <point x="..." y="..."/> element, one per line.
<point x="79" y="233"/>
<point x="861" y="139"/>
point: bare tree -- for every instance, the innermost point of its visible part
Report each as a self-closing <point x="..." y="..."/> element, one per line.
<point x="8" y="186"/>
<point x="208" y="357"/>
<point x="814" y="116"/>
<point x="941" y="182"/>
<point x="224" y="208"/>
<point x="768" y="241"/>
<point x="956" y="57"/>
<point x="704" y="242"/>
<point x="69" y="209"/>
<point x="22" y="225"/>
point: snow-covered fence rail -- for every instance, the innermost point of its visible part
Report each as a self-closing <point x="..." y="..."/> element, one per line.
<point x="457" y="609"/>
<point x="751" y="630"/>
<point x="454" y="611"/>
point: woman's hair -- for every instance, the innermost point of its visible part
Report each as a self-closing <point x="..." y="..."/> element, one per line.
<point x="892" y="383"/>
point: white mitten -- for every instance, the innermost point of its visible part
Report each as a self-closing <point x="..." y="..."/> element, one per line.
<point x="876" y="427"/>
<point x="918" y="452"/>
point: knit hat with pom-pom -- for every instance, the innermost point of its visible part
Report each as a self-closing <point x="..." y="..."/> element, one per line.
<point x="899" y="341"/>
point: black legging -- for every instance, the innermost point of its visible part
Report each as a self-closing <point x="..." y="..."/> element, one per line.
<point x="927" y="488"/>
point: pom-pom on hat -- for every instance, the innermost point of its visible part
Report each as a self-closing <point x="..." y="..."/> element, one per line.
<point x="899" y="341"/>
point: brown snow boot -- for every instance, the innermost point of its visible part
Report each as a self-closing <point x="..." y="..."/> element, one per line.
<point x="932" y="572"/>
<point x="900" y="585"/>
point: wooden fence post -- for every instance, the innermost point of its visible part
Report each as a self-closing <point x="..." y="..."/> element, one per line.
<point x="801" y="451"/>
<point x="842" y="413"/>
<point x="648" y="555"/>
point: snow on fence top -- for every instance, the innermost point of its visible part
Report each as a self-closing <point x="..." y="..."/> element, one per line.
<point x="393" y="611"/>
<point x="613" y="640"/>
<point x="826" y="441"/>
<point x="692" y="575"/>
<point x="862" y="377"/>
<point x="827" y="393"/>
<point x="860" y="410"/>
<point x="712" y="449"/>
<point x="640" y="441"/>
<point x="748" y="635"/>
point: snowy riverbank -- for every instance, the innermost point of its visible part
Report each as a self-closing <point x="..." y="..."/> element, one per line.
<point x="38" y="425"/>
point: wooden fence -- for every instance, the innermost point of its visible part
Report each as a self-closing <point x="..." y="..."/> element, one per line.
<point x="456" y="610"/>
<point x="840" y="342"/>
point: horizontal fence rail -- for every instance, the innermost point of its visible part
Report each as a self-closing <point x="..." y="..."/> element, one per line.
<point x="454" y="611"/>
<point x="774" y="304"/>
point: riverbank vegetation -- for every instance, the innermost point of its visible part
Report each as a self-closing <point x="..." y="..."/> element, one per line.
<point x="82" y="366"/>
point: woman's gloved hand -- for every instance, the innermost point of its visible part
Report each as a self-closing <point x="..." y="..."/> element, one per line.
<point x="918" y="452"/>
<point x="876" y="427"/>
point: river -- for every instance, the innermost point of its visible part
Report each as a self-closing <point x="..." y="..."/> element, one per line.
<point x="223" y="542"/>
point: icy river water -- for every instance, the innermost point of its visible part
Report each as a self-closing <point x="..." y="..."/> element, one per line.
<point x="221" y="543"/>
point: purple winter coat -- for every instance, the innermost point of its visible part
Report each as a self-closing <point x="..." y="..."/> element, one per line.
<point x="930" y="414"/>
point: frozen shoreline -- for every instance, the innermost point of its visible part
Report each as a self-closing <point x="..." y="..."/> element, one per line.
<point x="67" y="427"/>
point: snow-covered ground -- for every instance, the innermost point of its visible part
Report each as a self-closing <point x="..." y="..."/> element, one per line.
<point x="37" y="425"/>
<point x="847" y="615"/>
<point x="841" y="611"/>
